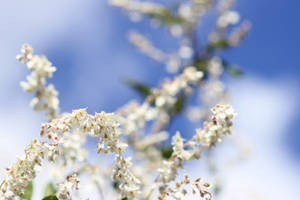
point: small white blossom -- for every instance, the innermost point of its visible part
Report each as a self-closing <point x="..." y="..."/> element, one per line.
<point x="180" y="190"/>
<point x="45" y="96"/>
<point x="228" y="18"/>
<point x="71" y="182"/>
<point x="178" y="147"/>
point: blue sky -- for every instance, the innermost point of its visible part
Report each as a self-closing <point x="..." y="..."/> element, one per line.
<point x="272" y="47"/>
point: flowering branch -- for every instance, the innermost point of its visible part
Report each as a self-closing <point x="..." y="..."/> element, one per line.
<point x="177" y="193"/>
<point x="45" y="97"/>
<point x="203" y="139"/>
<point x="24" y="170"/>
<point x="71" y="182"/>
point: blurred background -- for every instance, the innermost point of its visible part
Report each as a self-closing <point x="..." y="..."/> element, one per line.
<point x="87" y="42"/>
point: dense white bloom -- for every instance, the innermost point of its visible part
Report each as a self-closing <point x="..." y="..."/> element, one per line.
<point x="220" y="126"/>
<point x="24" y="170"/>
<point x="101" y="125"/>
<point x="130" y="185"/>
<point x="104" y="126"/>
<point x="205" y="138"/>
<point x="72" y="153"/>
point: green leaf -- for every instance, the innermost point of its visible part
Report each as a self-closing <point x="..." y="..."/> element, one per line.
<point x="219" y="44"/>
<point x="49" y="189"/>
<point x="201" y="65"/>
<point x="178" y="106"/>
<point x="166" y="151"/>
<point x="233" y="70"/>
<point x="50" y="197"/>
<point x="166" y="17"/>
<point x="28" y="192"/>
<point x="124" y="198"/>
<point x="115" y="185"/>
<point x="141" y="88"/>
<point x="218" y="189"/>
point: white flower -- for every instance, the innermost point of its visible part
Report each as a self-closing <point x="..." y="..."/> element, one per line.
<point x="228" y="18"/>
<point x="71" y="182"/>
<point x="213" y="131"/>
<point x="24" y="170"/>
<point x="45" y="96"/>
<point x="178" y="147"/>
<point x="104" y="126"/>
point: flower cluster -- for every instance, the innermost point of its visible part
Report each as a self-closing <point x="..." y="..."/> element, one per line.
<point x="73" y="154"/>
<point x="101" y="125"/>
<point x="130" y="185"/>
<point x="104" y="127"/>
<point x="133" y="117"/>
<point x="179" y="191"/>
<point x="45" y="98"/>
<point x="171" y="92"/>
<point x="205" y="138"/>
<point x="221" y="125"/>
<point x="165" y="95"/>
<point x="71" y="182"/>
<point x="24" y="170"/>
